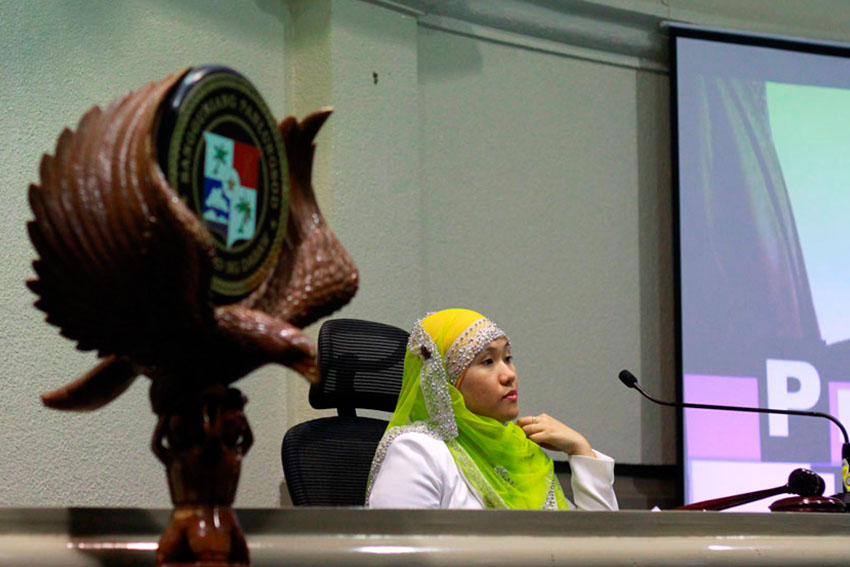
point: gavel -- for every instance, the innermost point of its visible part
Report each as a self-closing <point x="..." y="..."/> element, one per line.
<point x="807" y="485"/>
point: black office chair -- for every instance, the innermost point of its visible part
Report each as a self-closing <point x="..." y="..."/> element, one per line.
<point x="326" y="461"/>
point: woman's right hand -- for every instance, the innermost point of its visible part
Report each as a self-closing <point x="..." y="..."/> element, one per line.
<point x="551" y="434"/>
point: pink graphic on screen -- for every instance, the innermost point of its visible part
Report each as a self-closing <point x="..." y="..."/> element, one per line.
<point x="713" y="434"/>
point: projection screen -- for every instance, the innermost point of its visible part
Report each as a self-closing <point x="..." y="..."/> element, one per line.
<point x="761" y="136"/>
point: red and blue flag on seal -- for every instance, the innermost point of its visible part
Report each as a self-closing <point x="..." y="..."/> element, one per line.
<point x="230" y="188"/>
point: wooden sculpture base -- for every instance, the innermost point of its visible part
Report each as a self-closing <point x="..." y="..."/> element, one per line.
<point x="202" y="536"/>
<point x="202" y="443"/>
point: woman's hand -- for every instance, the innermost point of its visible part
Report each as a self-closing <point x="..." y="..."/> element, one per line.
<point x="551" y="434"/>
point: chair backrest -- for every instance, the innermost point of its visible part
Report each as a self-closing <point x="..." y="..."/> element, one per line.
<point x="326" y="461"/>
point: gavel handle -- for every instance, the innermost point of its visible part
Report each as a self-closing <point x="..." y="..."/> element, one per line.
<point x="735" y="500"/>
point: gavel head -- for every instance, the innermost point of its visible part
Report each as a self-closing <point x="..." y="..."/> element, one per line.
<point x="805" y="483"/>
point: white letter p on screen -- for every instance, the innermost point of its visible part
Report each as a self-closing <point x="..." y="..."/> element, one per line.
<point x="779" y="397"/>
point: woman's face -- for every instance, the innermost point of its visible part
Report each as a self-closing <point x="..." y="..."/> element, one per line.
<point x="489" y="387"/>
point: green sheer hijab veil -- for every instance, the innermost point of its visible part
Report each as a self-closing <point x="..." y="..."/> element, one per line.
<point x="504" y="467"/>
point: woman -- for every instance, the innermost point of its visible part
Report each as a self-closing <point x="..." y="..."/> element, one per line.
<point x="452" y="443"/>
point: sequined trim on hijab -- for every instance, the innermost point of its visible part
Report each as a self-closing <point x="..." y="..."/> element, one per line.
<point x="434" y="383"/>
<point x="467" y="346"/>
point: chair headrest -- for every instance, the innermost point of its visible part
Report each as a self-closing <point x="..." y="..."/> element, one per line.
<point x="361" y="365"/>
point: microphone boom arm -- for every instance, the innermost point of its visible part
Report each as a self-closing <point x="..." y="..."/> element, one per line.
<point x="630" y="381"/>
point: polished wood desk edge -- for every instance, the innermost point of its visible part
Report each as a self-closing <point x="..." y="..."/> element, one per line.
<point x="97" y="537"/>
<point x="94" y="522"/>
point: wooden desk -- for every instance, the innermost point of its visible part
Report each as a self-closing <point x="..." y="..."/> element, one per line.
<point x="328" y="537"/>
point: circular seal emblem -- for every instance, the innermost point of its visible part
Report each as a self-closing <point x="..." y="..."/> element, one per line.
<point x="220" y="150"/>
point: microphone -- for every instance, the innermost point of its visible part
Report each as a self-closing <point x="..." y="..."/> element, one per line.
<point x="631" y="381"/>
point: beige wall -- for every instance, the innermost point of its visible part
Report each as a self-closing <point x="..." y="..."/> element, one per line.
<point x="58" y="59"/>
<point x="532" y="174"/>
<point x="523" y="176"/>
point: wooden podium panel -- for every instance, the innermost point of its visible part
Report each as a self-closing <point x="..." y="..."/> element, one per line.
<point x="355" y="537"/>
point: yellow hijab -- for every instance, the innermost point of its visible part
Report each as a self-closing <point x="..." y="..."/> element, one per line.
<point x="504" y="467"/>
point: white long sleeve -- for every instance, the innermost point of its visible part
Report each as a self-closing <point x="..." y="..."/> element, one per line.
<point x="419" y="471"/>
<point x="593" y="482"/>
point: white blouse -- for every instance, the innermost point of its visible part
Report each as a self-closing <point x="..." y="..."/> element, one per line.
<point x="418" y="471"/>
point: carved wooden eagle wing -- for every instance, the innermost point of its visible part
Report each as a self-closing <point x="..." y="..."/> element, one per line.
<point x="314" y="275"/>
<point x="125" y="267"/>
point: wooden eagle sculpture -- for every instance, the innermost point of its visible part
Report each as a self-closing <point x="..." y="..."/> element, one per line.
<point x="125" y="266"/>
